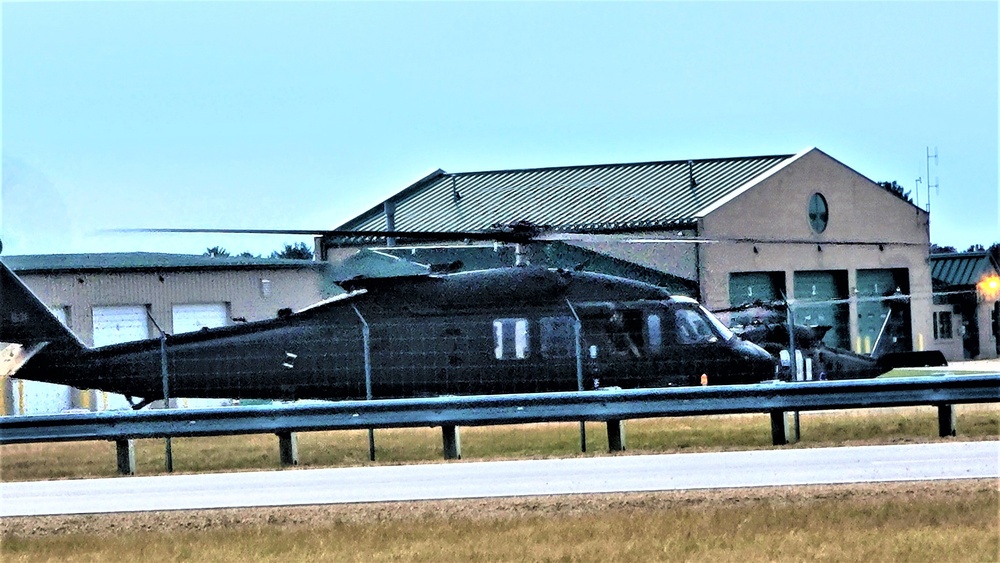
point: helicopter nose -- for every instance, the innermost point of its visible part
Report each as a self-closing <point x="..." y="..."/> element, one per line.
<point x="761" y="364"/>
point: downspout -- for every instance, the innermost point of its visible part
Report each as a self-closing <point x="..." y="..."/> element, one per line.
<point x="389" y="208"/>
<point x="698" y="229"/>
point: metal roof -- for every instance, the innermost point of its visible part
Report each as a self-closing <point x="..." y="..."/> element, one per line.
<point x="638" y="196"/>
<point x="961" y="268"/>
<point x="54" y="263"/>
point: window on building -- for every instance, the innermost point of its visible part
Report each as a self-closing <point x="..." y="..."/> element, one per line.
<point x="511" y="339"/>
<point x="558" y="337"/>
<point x="819" y="213"/>
<point x="942" y="325"/>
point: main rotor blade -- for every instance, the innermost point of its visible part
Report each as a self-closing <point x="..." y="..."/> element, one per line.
<point x="500" y="236"/>
<point x="619" y="237"/>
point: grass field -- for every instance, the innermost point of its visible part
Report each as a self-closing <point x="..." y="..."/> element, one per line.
<point x="950" y="521"/>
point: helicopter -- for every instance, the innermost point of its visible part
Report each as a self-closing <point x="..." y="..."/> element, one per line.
<point x="517" y="329"/>
<point x="769" y="325"/>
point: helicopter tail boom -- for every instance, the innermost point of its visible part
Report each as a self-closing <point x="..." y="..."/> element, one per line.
<point x="25" y="320"/>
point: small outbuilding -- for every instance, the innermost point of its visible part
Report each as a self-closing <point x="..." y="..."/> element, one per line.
<point x="966" y="305"/>
<point x="120" y="297"/>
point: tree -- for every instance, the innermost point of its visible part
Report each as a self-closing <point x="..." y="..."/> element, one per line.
<point x="216" y="252"/>
<point x="935" y="249"/>
<point x="299" y="251"/>
<point x="896" y="189"/>
<point x="976" y="248"/>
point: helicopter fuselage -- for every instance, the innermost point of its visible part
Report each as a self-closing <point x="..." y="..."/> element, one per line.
<point x="509" y="330"/>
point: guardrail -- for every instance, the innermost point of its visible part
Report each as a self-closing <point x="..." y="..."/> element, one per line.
<point x="611" y="406"/>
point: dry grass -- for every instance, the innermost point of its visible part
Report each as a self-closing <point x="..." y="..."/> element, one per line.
<point x="949" y="521"/>
<point x="396" y="446"/>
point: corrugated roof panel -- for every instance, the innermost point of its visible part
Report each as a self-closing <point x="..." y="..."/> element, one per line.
<point x="145" y="261"/>
<point x="613" y="196"/>
<point x="960" y="269"/>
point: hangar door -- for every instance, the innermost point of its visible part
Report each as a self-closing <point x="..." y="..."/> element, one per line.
<point x="114" y="324"/>
<point x="190" y="317"/>
<point x="821" y="297"/>
<point x="120" y="323"/>
<point x="876" y="289"/>
<point x="36" y="397"/>
<point x="747" y="287"/>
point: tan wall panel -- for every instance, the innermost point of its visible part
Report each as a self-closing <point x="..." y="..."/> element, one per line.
<point x="860" y="210"/>
<point x="294" y="289"/>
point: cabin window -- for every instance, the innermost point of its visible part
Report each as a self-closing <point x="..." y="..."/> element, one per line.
<point x="942" y="325"/>
<point x="511" y="339"/>
<point x="692" y="328"/>
<point x="558" y="337"/>
<point x="654" y="334"/>
<point x="627" y="333"/>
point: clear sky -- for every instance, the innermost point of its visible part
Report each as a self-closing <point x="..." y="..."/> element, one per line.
<point x="303" y="115"/>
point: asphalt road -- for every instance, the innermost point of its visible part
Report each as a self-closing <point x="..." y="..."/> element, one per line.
<point x="917" y="462"/>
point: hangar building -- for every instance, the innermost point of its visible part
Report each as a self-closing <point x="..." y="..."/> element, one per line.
<point x="846" y="251"/>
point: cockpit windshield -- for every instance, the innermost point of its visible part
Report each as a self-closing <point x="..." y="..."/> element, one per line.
<point x="719" y="325"/>
<point x="695" y="325"/>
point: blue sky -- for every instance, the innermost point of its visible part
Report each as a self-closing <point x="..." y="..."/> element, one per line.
<point x="302" y="115"/>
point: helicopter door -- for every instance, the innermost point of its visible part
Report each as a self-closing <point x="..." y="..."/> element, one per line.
<point x="623" y="347"/>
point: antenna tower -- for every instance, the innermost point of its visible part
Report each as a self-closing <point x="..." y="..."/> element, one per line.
<point x="935" y="185"/>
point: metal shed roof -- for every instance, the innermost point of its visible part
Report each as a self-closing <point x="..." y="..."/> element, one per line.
<point x="637" y="196"/>
<point x="119" y="261"/>
<point x="961" y="269"/>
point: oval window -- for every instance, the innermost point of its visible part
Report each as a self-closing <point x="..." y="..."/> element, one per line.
<point x="819" y="213"/>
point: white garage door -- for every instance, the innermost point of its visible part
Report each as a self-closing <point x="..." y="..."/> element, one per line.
<point x="190" y="317"/>
<point x="112" y="325"/>
<point x="120" y="323"/>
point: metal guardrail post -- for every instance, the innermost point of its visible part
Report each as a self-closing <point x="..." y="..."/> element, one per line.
<point x="779" y="428"/>
<point x="784" y="427"/>
<point x="452" y="442"/>
<point x="126" y="456"/>
<point x="795" y="435"/>
<point x="946" y="420"/>
<point x="616" y="436"/>
<point x="288" y="448"/>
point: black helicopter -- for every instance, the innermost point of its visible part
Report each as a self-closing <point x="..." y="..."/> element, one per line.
<point x="767" y="325"/>
<point x="505" y="330"/>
